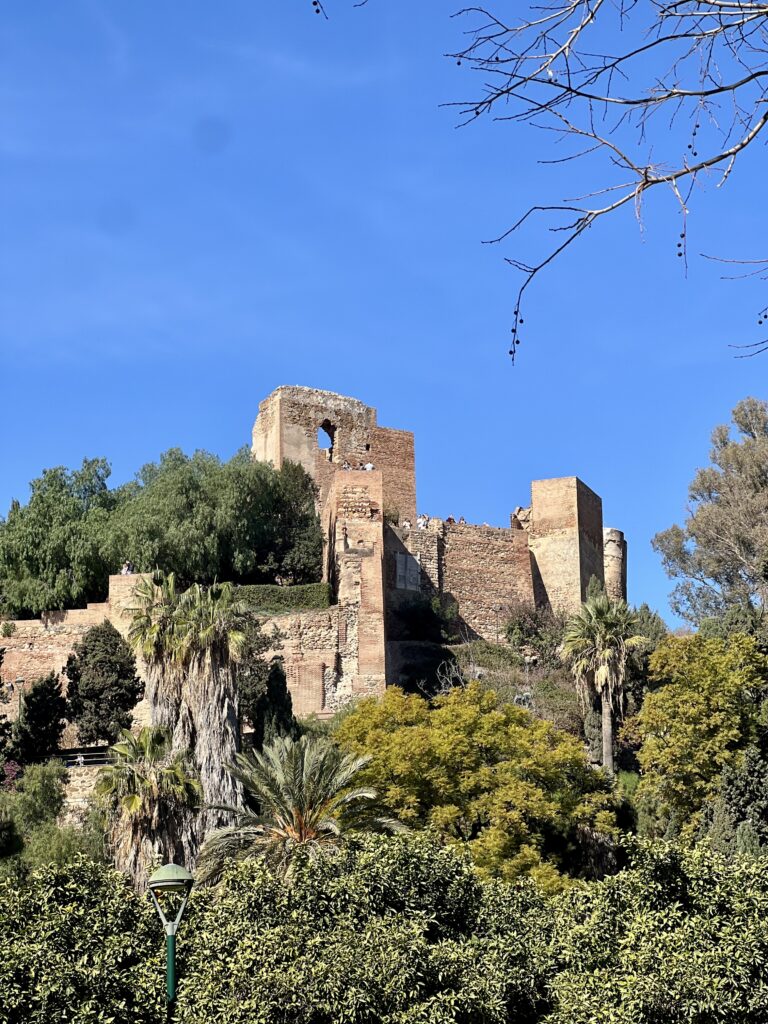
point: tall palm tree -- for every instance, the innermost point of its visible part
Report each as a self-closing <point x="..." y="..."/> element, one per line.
<point x="151" y="634"/>
<point x="307" y="802"/>
<point x="208" y="642"/>
<point x="148" y="789"/>
<point x="190" y="644"/>
<point x="596" y="645"/>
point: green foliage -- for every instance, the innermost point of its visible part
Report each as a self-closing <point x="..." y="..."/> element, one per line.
<point x="303" y="798"/>
<point x="143" y="775"/>
<point x="518" y="792"/>
<point x="79" y="946"/>
<point x="265" y="700"/>
<point x="536" y="634"/>
<point x="735" y="818"/>
<point x="103" y="685"/>
<point x="546" y="692"/>
<point x="681" y="937"/>
<point x="269" y="599"/>
<point x="197" y="516"/>
<point x="719" y="556"/>
<point x="391" y="930"/>
<point x="692" y="726"/>
<point x="29" y="835"/>
<point x="37" y="731"/>
<point x="51" y="549"/>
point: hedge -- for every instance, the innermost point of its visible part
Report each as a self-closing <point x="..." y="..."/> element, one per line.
<point x="271" y="599"/>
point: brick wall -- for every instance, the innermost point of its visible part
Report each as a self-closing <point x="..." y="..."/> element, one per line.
<point x="392" y="452"/>
<point x="486" y="569"/>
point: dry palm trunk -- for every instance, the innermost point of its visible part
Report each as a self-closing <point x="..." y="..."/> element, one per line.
<point x="199" y="705"/>
<point x="207" y="726"/>
<point x="139" y="845"/>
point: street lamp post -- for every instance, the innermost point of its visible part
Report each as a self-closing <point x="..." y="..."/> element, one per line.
<point x="171" y="878"/>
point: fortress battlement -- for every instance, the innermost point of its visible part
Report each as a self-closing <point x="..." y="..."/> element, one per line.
<point x="380" y="557"/>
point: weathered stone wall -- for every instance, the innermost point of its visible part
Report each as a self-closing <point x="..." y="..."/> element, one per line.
<point x="392" y="452"/>
<point x="566" y="539"/>
<point x="486" y="570"/>
<point x="309" y="647"/>
<point x="615" y="563"/>
<point x="287" y="428"/>
<point x="80" y="785"/>
<point x="36" y="649"/>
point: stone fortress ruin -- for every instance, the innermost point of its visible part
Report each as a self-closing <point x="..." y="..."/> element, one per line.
<point x="379" y="558"/>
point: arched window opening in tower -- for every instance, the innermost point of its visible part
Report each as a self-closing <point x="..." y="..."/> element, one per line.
<point x="325" y="434"/>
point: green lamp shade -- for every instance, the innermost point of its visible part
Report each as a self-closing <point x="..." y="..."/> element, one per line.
<point x="170" y="878"/>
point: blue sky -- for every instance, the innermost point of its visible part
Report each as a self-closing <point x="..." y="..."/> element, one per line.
<point x="201" y="202"/>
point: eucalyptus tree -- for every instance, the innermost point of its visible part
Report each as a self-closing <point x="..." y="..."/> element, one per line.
<point x="152" y="793"/>
<point x="596" y="646"/>
<point x="307" y="802"/>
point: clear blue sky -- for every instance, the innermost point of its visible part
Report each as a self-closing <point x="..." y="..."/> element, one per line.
<point x="202" y="201"/>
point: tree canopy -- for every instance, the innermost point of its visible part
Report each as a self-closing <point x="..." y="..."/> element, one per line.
<point x="707" y="707"/>
<point x="204" y="519"/>
<point x="519" y="792"/>
<point x="719" y="557"/>
<point x="103" y="686"/>
<point x="36" y="733"/>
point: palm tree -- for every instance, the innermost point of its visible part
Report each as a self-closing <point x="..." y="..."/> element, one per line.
<point x="208" y="641"/>
<point x="148" y="789"/>
<point x="596" y="644"/>
<point x="151" y="634"/>
<point x="190" y="644"/>
<point x="307" y="806"/>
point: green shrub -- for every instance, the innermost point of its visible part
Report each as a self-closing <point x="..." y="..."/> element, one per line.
<point x="269" y="599"/>
<point x="79" y="946"/>
<point x="680" y="937"/>
<point x="30" y="837"/>
<point x="393" y="930"/>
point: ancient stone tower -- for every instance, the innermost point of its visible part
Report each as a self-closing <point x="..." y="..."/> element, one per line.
<point x="380" y="556"/>
<point x="381" y="560"/>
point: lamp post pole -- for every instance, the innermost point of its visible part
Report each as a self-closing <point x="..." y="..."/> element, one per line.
<point x="176" y="879"/>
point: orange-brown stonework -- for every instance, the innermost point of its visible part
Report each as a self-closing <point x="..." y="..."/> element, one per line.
<point x="377" y="555"/>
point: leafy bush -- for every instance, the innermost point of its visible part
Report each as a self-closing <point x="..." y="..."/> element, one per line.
<point x="518" y="792"/>
<point x="708" y="706"/>
<point x="536" y="634"/>
<point x="103" y="686"/>
<point x="393" y="930"/>
<point x="269" y="599"/>
<point x="681" y="937"/>
<point x="79" y="946"/>
<point x="30" y="836"/>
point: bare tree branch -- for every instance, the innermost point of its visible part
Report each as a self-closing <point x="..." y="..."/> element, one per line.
<point x="557" y="66"/>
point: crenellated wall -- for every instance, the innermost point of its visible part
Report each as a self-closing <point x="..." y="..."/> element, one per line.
<point x="377" y="557"/>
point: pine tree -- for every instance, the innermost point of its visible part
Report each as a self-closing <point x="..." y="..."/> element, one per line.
<point x="37" y="731"/>
<point x="103" y="685"/>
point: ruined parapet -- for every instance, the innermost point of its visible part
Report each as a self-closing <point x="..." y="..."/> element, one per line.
<point x="615" y="564"/>
<point x="566" y="537"/>
<point x="293" y="421"/>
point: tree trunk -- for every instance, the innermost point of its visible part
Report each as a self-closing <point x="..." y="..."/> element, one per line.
<point x="607" y="731"/>
<point x="207" y="726"/>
